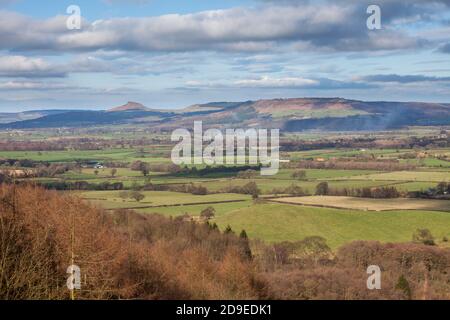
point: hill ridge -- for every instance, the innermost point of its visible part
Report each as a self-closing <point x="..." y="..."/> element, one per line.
<point x="291" y="114"/>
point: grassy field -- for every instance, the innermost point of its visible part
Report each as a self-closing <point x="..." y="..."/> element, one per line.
<point x="266" y="185"/>
<point x="333" y="153"/>
<point x="370" y="204"/>
<point x="322" y="174"/>
<point x="408" y="176"/>
<point x="282" y="222"/>
<point x="195" y="210"/>
<point x="112" y="200"/>
<point x="429" y="162"/>
<point x="415" y="186"/>
<point x="150" y="155"/>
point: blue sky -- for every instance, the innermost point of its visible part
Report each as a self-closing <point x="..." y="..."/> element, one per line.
<point x="170" y="54"/>
<point x="121" y="8"/>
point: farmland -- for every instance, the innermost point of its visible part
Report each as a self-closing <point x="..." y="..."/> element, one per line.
<point x="154" y="199"/>
<point x="286" y="207"/>
<point x="334" y="197"/>
<point x="283" y="222"/>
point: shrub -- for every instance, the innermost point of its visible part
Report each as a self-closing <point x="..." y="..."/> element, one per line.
<point x="208" y="213"/>
<point x="403" y="286"/>
<point x="322" y="189"/>
<point x="136" y="195"/>
<point x="247" y="174"/>
<point x="423" y="236"/>
<point x="299" y="175"/>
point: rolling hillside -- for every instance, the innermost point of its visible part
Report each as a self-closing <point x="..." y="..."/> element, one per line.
<point x="10" y="117"/>
<point x="326" y="114"/>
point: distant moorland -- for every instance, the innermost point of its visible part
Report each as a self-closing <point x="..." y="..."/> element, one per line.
<point x="326" y="114"/>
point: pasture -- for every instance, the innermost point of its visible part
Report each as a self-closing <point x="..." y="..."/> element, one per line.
<point x="113" y="200"/>
<point x="369" y="204"/>
<point x="283" y="222"/>
<point x="422" y="176"/>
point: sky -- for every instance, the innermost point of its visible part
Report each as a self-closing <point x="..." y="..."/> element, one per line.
<point x="175" y="53"/>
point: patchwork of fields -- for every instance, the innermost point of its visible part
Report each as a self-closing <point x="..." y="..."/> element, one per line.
<point x="337" y="219"/>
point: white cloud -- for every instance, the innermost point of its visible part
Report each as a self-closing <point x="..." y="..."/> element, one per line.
<point x="338" y="27"/>
<point x="277" y="82"/>
<point x="30" y="85"/>
<point x="21" y="66"/>
<point x="282" y="83"/>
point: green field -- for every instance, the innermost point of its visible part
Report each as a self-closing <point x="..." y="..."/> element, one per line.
<point x="322" y="174"/>
<point x="415" y="186"/>
<point x="423" y="176"/>
<point x="150" y="155"/>
<point x="429" y="162"/>
<point x="334" y="153"/>
<point x="195" y="210"/>
<point x="266" y="185"/>
<point x="282" y="222"/>
<point x="112" y="200"/>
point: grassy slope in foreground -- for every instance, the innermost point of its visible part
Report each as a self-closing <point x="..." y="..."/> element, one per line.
<point x="280" y="222"/>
